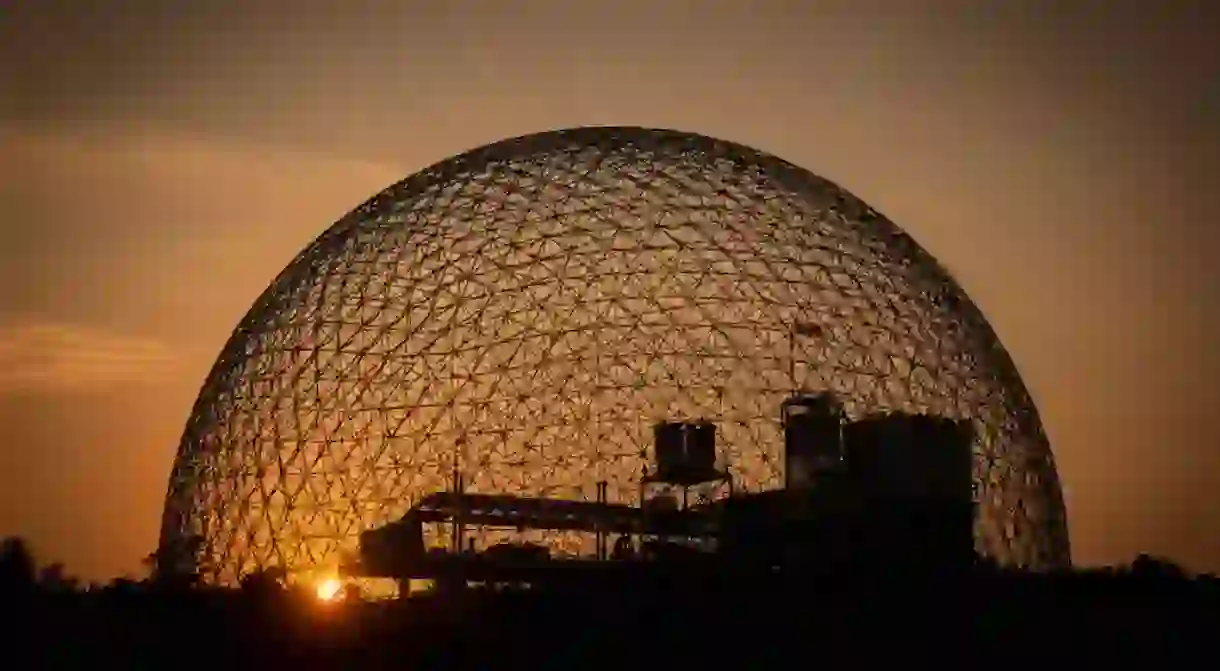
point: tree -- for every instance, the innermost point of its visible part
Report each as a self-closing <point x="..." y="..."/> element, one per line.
<point x="18" y="570"/>
<point x="174" y="565"/>
<point x="264" y="582"/>
<point x="54" y="578"/>
<point x="1155" y="567"/>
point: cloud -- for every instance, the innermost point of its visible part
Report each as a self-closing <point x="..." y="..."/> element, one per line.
<point x="50" y="357"/>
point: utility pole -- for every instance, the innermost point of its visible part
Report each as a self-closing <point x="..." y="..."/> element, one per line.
<point x="792" y="356"/>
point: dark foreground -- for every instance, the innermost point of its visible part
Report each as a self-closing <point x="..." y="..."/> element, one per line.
<point x="1164" y="618"/>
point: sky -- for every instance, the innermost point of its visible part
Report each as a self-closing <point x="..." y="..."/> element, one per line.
<point x="161" y="162"/>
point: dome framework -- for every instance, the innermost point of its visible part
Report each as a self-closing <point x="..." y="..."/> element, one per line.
<point x="525" y="312"/>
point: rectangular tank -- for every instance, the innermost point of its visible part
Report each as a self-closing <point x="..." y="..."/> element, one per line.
<point x="916" y="471"/>
<point x="910" y="456"/>
<point x="813" y="442"/>
<point x="685" y="452"/>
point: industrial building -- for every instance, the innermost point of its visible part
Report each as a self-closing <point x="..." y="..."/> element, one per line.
<point x="884" y="491"/>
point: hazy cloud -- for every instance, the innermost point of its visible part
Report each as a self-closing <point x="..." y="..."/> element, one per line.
<point x="42" y="356"/>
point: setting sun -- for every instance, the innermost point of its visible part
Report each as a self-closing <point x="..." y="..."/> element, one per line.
<point x="328" y="590"/>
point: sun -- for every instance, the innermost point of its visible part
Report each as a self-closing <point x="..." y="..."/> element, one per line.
<point x="328" y="590"/>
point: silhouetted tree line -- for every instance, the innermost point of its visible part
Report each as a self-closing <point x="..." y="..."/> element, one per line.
<point x="760" y="622"/>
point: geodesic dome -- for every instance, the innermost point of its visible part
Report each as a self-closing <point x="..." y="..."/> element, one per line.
<point x="525" y="312"/>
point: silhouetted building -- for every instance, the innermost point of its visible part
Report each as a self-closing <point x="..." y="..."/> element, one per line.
<point x="685" y="452"/>
<point x="915" y="472"/>
<point x="813" y="439"/>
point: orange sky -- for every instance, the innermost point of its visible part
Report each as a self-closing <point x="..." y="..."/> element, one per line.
<point x="161" y="162"/>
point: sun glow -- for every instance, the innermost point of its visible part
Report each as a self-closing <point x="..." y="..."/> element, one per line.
<point x="328" y="590"/>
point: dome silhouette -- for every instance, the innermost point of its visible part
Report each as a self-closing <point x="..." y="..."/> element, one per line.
<point x="526" y="311"/>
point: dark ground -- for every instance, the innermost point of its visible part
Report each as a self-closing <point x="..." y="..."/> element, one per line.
<point x="1149" y="613"/>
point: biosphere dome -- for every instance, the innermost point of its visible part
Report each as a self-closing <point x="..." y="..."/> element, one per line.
<point x="525" y="312"/>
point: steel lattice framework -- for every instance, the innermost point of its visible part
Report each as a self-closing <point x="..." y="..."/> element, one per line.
<point x="526" y="311"/>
